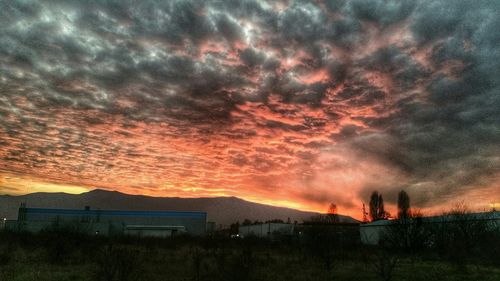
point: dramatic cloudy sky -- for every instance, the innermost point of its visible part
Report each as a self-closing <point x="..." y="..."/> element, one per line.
<point x="295" y="104"/>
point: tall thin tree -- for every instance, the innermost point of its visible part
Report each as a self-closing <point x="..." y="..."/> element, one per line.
<point x="374" y="203"/>
<point x="377" y="209"/>
<point x="381" y="209"/>
<point x="403" y="205"/>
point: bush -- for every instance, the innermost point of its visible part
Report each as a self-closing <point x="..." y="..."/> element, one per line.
<point x="460" y="237"/>
<point x="118" y="263"/>
<point x="61" y="244"/>
<point x="323" y="243"/>
<point x="408" y="234"/>
<point x="6" y="250"/>
<point x="384" y="262"/>
<point x="239" y="266"/>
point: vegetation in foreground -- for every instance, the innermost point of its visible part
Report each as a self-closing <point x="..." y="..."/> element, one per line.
<point x="460" y="246"/>
<point x="319" y="254"/>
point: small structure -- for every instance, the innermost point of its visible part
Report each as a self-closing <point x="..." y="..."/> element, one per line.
<point x="110" y="222"/>
<point x="266" y="229"/>
<point x="372" y="233"/>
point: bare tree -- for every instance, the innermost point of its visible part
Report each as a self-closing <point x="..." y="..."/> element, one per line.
<point x="323" y="243"/>
<point x="332" y="210"/>
<point x="462" y="237"/>
<point x="384" y="262"/>
<point x="332" y="214"/>
<point x="408" y="234"/>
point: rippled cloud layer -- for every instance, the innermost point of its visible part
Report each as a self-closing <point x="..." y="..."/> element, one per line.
<point x="296" y="103"/>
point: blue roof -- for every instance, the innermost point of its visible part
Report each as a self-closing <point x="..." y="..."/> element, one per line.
<point x="80" y="212"/>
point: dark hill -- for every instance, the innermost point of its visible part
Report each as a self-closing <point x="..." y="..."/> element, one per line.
<point x="222" y="210"/>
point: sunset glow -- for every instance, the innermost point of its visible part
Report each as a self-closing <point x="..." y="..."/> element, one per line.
<point x="295" y="104"/>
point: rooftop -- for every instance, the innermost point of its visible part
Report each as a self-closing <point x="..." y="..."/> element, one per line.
<point x="82" y="212"/>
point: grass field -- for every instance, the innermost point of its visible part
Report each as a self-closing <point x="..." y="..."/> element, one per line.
<point x="56" y="256"/>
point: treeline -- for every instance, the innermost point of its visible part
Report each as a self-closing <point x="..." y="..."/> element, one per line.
<point x="377" y="209"/>
<point x="459" y="237"/>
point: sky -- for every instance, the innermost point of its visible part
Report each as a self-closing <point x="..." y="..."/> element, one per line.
<point x="290" y="103"/>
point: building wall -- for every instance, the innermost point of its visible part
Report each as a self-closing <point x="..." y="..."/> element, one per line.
<point x="105" y="222"/>
<point x="149" y="232"/>
<point x="38" y="226"/>
<point x="372" y="233"/>
<point x="266" y="229"/>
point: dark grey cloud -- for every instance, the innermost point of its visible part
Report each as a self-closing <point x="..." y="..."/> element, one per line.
<point x="383" y="12"/>
<point x="404" y="71"/>
<point x="251" y="57"/>
<point x="412" y="85"/>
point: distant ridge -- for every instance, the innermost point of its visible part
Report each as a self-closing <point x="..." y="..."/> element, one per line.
<point x="221" y="210"/>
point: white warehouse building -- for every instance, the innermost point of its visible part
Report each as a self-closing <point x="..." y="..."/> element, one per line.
<point x="266" y="229"/>
<point x="372" y="233"/>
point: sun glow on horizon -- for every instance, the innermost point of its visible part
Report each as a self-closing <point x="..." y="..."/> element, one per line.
<point x="20" y="185"/>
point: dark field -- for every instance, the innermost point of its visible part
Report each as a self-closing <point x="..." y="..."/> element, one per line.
<point x="70" y="256"/>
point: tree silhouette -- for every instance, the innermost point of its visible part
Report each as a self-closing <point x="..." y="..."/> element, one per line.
<point x="377" y="210"/>
<point x="381" y="209"/>
<point x="374" y="206"/>
<point x="403" y="205"/>
<point x="332" y="214"/>
<point x="332" y="210"/>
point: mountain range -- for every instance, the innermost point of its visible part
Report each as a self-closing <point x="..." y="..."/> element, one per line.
<point x="221" y="210"/>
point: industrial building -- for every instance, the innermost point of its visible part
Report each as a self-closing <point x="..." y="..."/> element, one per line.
<point x="110" y="222"/>
<point x="372" y="233"/>
<point x="266" y="229"/>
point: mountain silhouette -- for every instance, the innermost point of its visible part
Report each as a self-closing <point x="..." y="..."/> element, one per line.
<point x="221" y="210"/>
